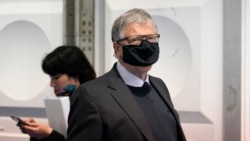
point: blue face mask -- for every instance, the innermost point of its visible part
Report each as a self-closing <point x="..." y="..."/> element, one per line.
<point x="67" y="91"/>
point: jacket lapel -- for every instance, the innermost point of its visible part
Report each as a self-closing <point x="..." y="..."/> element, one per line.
<point x="161" y="88"/>
<point x="163" y="91"/>
<point x="126" y="100"/>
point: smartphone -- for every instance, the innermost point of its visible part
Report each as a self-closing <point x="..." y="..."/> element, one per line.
<point x="17" y="119"/>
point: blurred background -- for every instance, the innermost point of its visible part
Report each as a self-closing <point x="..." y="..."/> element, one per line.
<point x="204" y="58"/>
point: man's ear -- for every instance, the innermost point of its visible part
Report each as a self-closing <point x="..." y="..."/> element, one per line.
<point x="117" y="50"/>
<point x="115" y="47"/>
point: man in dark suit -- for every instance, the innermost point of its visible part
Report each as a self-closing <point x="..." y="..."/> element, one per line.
<point x="127" y="104"/>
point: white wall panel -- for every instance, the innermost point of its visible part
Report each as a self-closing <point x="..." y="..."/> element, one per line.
<point x="245" y="116"/>
<point x="29" y="29"/>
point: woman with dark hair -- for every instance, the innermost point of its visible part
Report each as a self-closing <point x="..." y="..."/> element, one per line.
<point x="68" y="67"/>
<point x="69" y="60"/>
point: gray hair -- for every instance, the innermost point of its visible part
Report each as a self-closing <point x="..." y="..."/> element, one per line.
<point x="131" y="16"/>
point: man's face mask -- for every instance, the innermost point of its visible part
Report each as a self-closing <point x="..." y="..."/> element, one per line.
<point x="143" y="55"/>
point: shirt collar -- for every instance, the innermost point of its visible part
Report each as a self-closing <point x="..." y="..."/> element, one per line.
<point x="129" y="78"/>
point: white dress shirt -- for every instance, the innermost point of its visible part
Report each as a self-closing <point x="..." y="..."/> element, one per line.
<point x="129" y="78"/>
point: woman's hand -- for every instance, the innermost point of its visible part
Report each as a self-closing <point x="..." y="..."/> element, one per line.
<point x="35" y="129"/>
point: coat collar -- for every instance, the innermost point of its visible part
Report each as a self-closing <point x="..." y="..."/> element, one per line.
<point x="162" y="90"/>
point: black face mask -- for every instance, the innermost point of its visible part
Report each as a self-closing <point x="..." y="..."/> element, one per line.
<point x="144" y="55"/>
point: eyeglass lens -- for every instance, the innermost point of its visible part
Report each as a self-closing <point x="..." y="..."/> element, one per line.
<point x="137" y="39"/>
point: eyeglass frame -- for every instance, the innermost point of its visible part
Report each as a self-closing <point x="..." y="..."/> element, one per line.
<point x="142" y="37"/>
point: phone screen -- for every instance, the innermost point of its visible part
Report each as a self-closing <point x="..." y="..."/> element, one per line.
<point x="17" y="119"/>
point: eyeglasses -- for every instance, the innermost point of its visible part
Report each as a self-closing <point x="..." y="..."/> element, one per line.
<point x="136" y="40"/>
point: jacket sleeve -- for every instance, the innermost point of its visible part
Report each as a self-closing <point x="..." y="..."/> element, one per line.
<point x="54" y="136"/>
<point x="84" y="122"/>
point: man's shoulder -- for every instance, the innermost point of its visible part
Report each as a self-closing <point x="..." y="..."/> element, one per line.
<point x="101" y="80"/>
<point x="155" y="78"/>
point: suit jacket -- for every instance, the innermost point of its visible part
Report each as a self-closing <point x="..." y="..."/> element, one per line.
<point x="104" y="109"/>
<point x="54" y="136"/>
